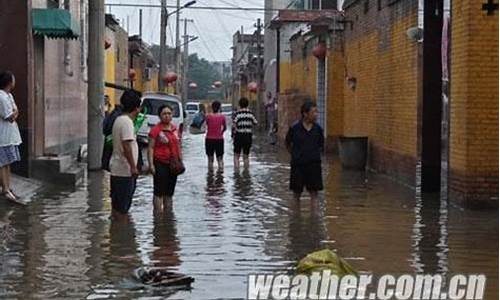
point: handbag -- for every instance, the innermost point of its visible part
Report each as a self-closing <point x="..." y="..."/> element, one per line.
<point x="175" y="164"/>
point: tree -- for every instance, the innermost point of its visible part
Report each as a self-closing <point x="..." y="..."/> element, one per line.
<point x="200" y="71"/>
<point x="203" y="74"/>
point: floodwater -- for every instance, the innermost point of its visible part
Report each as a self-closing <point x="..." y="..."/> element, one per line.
<point x="225" y="226"/>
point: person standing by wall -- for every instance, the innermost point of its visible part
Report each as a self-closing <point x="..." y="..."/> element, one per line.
<point x="305" y="142"/>
<point x="243" y="123"/>
<point x="214" y="140"/>
<point x="163" y="146"/>
<point x="10" y="137"/>
<point x="123" y="164"/>
<point x="270" y="104"/>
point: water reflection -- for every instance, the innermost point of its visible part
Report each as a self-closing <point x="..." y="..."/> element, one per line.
<point x="306" y="228"/>
<point x="165" y="242"/>
<point x="224" y="226"/>
<point x="430" y="235"/>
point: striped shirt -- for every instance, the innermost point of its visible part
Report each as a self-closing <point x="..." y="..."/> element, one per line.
<point x="244" y="120"/>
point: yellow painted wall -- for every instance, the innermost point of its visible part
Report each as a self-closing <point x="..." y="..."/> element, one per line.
<point x="474" y="101"/>
<point x="299" y="75"/>
<point x="383" y="105"/>
<point x="335" y="96"/>
<point x="109" y="74"/>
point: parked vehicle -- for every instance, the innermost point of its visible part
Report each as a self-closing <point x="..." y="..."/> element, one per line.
<point x="150" y="103"/>
<point x="227" y="109"/>
<point x="192" y="108"/>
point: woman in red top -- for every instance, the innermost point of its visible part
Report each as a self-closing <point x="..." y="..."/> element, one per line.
<point x="163" y="146"/>
<point x="214" y="140"/>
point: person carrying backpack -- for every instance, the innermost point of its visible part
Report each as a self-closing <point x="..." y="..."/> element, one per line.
<point x="107" y="130"/>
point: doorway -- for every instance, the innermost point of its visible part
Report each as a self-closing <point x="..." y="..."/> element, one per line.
<point x="321" y="93"/>
<point x="431" y="97"/>
<point x="39" y="107"/>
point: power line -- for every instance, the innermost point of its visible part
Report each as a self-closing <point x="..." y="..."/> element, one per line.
<point x="212" y="40"/>
<point x="204" y="42"/>
<point x="234" y="5"/>
<point x="231" y="15"/>
<point x="196" y="7"/>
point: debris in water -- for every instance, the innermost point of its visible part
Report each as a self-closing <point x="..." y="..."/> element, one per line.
<point x="162" y="277"/>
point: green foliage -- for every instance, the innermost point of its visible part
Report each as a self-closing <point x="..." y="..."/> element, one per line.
<point x="202" y="72"/>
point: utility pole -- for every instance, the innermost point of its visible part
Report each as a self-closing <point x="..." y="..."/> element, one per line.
<point x="260" y="114"/>
<point x="95" y="87"/>
<point x="140" y="24"/>
<point x="186" y="63"/>
<point x="128" y="24"/>
<point x="177" y="45"/>
<point x="163" y="41"/>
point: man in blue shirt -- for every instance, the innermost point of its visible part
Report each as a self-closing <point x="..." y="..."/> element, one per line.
<point x="305" y="142"/>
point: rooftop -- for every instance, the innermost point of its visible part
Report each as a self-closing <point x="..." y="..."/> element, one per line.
<point x="305" y="16"/>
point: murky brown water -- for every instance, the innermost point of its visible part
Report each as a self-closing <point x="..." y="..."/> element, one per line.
<point x="225" y="226"/>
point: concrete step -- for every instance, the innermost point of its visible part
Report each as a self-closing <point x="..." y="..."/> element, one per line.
<point x="63" y="170"/>
<point x="53" y="163"/>
<point x="75" y="174"/>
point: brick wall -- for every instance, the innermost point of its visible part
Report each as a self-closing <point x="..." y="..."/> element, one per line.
<point x="385" y="103"/>
<point x="297" y="83"/>
<point x="299" y="75"/>
<point x="335" y="96"/>
<point x="289" y="110"/>
<point x="383" y="106"/>
<point x="474" y="104"/>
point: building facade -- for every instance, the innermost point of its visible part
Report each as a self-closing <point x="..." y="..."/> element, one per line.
<point x="413" y="78"/>
<point x="51" y="72"/>
<point x="247" y="55"/>
<point x="116" y="59"/>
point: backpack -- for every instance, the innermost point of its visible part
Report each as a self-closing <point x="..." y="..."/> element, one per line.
<point x="198" y="120"/>
<point x="109" y="120"/>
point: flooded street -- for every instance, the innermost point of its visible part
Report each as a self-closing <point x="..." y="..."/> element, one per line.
<point x="225" y="226"/>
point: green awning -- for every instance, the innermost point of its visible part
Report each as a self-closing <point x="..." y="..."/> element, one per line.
<point x="55" y="23"/>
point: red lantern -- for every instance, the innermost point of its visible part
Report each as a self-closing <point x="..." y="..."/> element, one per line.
<point x="132" y="74"/>
<point x="252" y="87"/>
<point x="107" y="44"/>
<point x="170" y="77"/>
<point x="217" y="84"/>
<point x="319" y="51"/>
<point x="193" y="85"/>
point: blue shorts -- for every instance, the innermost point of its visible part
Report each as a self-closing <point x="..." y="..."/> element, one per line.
<point x="122" y="192"/>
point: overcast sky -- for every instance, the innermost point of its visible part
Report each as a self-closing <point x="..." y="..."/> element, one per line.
<point x="214" y="28"/>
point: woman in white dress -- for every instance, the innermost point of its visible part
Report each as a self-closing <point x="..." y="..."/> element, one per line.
<point x="10" y="137"/>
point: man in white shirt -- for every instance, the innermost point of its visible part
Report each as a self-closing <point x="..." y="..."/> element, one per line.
<point x="123" y="164"/>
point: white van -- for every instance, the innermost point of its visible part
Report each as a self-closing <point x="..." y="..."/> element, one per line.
<point x="150" y="103"/>
<point x="192" y="107"/>
<point x="227" y="109"/>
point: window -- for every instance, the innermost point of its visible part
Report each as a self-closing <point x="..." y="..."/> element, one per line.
<point x="391" y="2"/>
<point x="379" y="4"/>
<point x="192" y="107"/>
<point x="328" y="4"/>
<point x="118" y="53"/>
<point x="366" y="6"/>
<point x="227" y="108"/>
<point x="52" y="3"/>
<point x="151" y="106"/>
